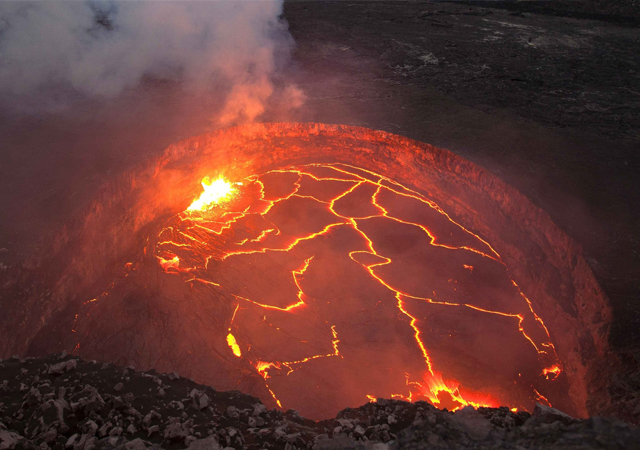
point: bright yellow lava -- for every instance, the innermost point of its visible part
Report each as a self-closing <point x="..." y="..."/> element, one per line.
<point x="233" y="344"/>
<point x="214" y="193"/>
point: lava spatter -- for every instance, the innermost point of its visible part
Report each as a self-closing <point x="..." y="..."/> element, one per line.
<point x="313" y="252"/>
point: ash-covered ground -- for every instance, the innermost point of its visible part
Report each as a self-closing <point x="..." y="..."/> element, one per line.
<point x="61" y="402"/>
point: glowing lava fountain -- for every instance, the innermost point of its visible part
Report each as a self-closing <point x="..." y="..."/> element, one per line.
<point x="326" y="266"/>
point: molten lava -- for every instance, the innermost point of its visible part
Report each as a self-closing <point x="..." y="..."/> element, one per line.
<point x="215" y="192"/>
<point x="343" y="280"/>
<point x="233" y="345"/>
<point x="389" y="268"/>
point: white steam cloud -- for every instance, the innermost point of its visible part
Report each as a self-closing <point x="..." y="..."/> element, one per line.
<point x="52" y="52"/>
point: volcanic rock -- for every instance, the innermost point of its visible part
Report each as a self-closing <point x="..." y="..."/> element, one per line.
<point x="205" y="444"/>
<point x="545" y="414"/>
<point x="472" y="422"/>
<point x="8" y="439"/>
<point x="65" y="366"/>
<point x="94" y="419"/>
<point x="176" y="431"/>
<point x="136" y="444"/>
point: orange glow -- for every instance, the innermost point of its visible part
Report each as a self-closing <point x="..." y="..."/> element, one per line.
<point x="208" y="244"/>
<point x="215" y="192"/>
<point x="262" y="366"/>
<point x="550" y="373"/>
<point x="541" y="398"/>
<point x="300" y="301"/>
<point x="434" y="386"/>
<point x="233" y="345"/>
<point x="171" y="263"/>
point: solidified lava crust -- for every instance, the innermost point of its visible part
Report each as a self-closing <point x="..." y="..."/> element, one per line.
<point x="350" y="264"/>
<point x="330" y="269"/>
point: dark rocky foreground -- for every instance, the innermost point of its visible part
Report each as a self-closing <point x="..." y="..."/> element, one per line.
<point x="63" y="402"/>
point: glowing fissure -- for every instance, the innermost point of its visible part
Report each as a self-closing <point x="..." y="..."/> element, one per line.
<point x="263" y="367"/>
<point x="541" y="398"/>
<point x="203" y="236"/>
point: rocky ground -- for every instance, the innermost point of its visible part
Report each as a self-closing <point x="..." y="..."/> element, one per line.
<point x="62" y="402"/>
<point x="625" y="12"/>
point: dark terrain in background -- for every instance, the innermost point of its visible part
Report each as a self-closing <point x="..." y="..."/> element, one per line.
<point x="547" y="102"/>
<point x="543" y="94"/>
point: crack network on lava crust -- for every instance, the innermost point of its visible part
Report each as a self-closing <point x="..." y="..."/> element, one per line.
<point x="416" y="257"/>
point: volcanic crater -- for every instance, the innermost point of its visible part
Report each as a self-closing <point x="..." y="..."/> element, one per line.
<point x="338" y="265"/>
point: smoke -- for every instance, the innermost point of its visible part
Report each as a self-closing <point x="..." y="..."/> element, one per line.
<point x="54" y="53"/>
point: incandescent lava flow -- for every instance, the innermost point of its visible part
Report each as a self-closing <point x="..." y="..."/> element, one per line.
<point x="297" y="263"/>
<point x="330" y="270"/>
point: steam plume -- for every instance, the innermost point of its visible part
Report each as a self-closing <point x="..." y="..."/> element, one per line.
<point x="55" y="52"/>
